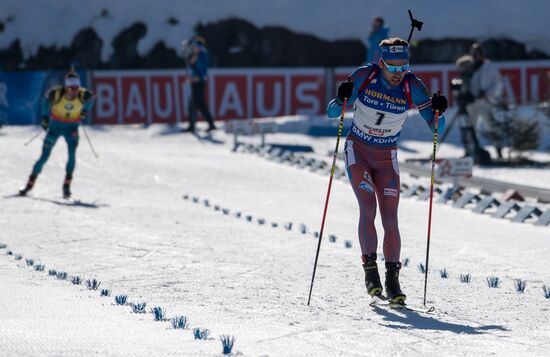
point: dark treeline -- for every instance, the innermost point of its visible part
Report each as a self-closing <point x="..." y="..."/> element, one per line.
<point x="237" y="43"/>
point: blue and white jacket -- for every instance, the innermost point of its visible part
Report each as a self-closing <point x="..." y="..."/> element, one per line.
<point x="380" y="109"/>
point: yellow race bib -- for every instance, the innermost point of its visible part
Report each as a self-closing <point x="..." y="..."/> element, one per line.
<point x="67" y="110"/>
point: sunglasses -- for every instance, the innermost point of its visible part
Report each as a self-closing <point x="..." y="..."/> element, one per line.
<point x="394" y="69"/>
<point x="75" y="88"/>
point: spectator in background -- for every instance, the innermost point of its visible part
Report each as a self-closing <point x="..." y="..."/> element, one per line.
<point x="196" y="55"/>
<point x="465" y="67"/>
<point x="487" y="88"/>
<point x="377" y="34"/>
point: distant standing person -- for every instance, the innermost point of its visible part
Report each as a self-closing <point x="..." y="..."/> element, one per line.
<point x="487" y="87"/>
<point x="63" y="108"/>
<point x="377" y="34"/>
<point x="197" y="59"/>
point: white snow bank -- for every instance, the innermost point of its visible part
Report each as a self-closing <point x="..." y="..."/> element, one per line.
<point x="240" y="278"/>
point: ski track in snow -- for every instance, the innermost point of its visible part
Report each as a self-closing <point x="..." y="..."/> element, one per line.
<point x="237" y="277"/>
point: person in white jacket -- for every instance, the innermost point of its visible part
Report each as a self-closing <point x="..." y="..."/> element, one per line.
<point x="487" y="88"/>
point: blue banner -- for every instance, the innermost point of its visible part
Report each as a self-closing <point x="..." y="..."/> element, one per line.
<point x="21" y="94"/>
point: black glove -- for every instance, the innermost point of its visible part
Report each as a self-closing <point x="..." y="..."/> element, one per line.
<point x="439" y="103"/>
<point x="344" y="90"/>
<point x="45" y="122"/>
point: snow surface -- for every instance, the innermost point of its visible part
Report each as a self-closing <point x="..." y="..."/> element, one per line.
<point x="522" y="20"/>
<point x="136" y="234"/>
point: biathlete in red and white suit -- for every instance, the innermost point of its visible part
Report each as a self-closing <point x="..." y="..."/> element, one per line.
<point x="381" y="94"/>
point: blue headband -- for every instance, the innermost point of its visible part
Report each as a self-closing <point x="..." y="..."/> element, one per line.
<point x="395" y="52"/>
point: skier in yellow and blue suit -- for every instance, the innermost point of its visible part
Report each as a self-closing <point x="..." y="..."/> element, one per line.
<point x="63" y="108"/>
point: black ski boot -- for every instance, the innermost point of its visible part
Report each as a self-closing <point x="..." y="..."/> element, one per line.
<point x="67" y="186"/>
<point x="393" y="290"/>
<point x="372" y="278"/>
<point x="28" y="187"/>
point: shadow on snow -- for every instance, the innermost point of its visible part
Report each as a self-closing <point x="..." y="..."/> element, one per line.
<point x="174" y="130"/>
<point x="72" y="203"/>
<point x="208" y="137"/>
<point x="63" y="202"/>
<point x="411" y="319"/>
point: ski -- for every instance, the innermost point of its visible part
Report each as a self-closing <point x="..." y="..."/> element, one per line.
<point x="64" y="201"/>
<point x="15" y="195"/>
<point x="71" y="201"/>
<point x="382" y="301"/>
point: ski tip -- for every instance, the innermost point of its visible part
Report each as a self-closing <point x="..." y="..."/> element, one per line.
<point x="378" y="299"/>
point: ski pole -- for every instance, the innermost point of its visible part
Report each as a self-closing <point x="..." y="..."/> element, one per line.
<point x="89" y="141"/>
<point x="431" y="201"/>
<point x="34" y="137"/>
<point x="414" y="24"/>
<point x="328" y="195"/>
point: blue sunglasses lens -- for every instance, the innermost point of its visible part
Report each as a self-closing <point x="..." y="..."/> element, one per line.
<point x="394" y="69"/>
